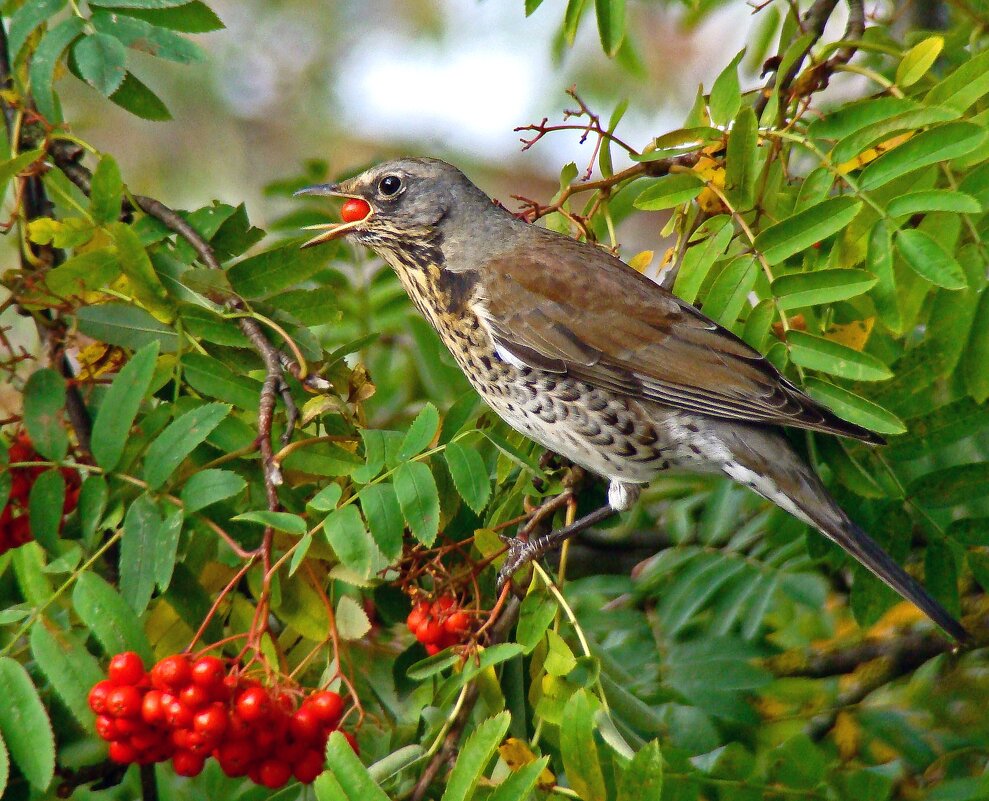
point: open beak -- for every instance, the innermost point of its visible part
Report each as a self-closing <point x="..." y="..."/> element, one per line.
<point x="330" y="231"/>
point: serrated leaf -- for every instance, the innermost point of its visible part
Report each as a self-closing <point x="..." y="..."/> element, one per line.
<point x="44" y="62"/>
<point x="144" y="281"/>
<point x="821" y="286"/>
<point x="611" y="24"/>
<point x="102" y="60"/>
<point x="520" y="783"/>
<point x="818" y="353"/>
<point x="384" y="517"/>
<point x="25" y="21"/>
<point x="537" y="612"/>
<point x="726" y="94"/>
<point x="951" y="486"/>
<point x="933" y="200"/>
<point x="208" y="487"/>
<point x="139" y="100"/>
<point x="470" y="476"/>
<point x="669" y="191"/>
<point x="167" y="548"/>
<point x="580" y="753"/>
<point x="420" y="433"/>
<point x="281" y="521"/>
<point x="213" y="379"/>
<point x="975" y="357"/>
<point x="643" y="778"/>
<point x="938" y="144"/>
<point x="25" y="725"/>
<point x="191" y="17"/>
<point x="70" y="669"/>
<point x="326" y="499"/>
<point x="854" y="408"/>
<point x="179" y="439"/>
<point x="45" y="505"/>
<point x="349" y="772"/>
<point x="275" y="270"/>
<point x="351" y="620"/>
<point x="44" y="398"/>
<point x="474" y="756"/>
<point x="918" y="60"/>
<point x="106" y="191"/>
<point x="351" y="542"/>
<point x="419" y="500"/>
<point x="142" y="35"/>
<point x="125" y="325"/>
<point x="929" y="260"/>
<point x="110" y="618"/>
<point x="137" y="552"/>
<point x="728" y="293"/>
<point x="118" y="411"/>
<point x="801" y="231"/>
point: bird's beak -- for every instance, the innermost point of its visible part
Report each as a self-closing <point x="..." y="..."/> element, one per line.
<point x="330" y="231"/>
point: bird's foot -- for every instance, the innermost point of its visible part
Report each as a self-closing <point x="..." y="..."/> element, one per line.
<point x="520" y="553"/>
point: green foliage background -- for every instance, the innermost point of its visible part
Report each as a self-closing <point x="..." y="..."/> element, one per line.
<point x="843" y="235"/>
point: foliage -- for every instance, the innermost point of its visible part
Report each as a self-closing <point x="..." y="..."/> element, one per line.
<point x="174" y="506"/>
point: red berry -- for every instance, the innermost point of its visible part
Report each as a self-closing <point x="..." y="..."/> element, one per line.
<point x="354" y="209"/>
<point x="308" y="766"/>
<point x="274" y="773"/>
<point x="97" y="696"/>
<point x="186" y="763"/>
<point x="443" y="605"/>
<point x="152" y="708"/>
<point x="238" y="728"/>
<point x="171" y="673"/>
<point x="235" y="757"/>
<point x="305" y="724"/>
<point x="430" y="631"/>
<point x="254" y="704"/>
<point x="106" y="727"/>
<point x="328" y="707"/>
<point x="122" y="753"/>
<point x="129" y="726"/>
<point x="125" y="669"/>
<point x="209" y="672"/>
<point x="145" y="740"/>
<point x="432" y="648"/>
<point x="457" y="623"/>
<point x="211" y="722"/>
<point x="418" y="614"/>
<point x="178" y="715"/>
<point x="194" y="696"/>
<point x="124" y="702"/>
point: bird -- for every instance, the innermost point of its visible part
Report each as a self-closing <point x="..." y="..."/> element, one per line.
<point x="595" y="361"/>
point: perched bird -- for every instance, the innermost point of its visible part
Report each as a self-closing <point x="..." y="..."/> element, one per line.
<point x="594" y="361"/>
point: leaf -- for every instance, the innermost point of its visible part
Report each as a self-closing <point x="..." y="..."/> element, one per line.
<point x="818" y="353"/>
<point x="929" y="260"/>
<point x="520" y="783"/>
<point x="275" y="270"/>
<point x="351" y="619"/>
<point x="141" y="35"/>
<point x="351" y="542"/>
<point x="726" y="94"/>
<point x="179" y="439"/>
<point x="139" y="100"/>
<point x="106" y="190"/>
<point x="580" y="753"/>
<point x="730" y="289"/>
<point x="111" y="619"/>
<point x="349" y="772"/>
<point x="474" y="756"/>
<point x="951" y="486"/>
<point x="70" y="669"/>
<point x="571" y="19"/>
<point x="854" y="408"/>
<point x="879" y="259"/>
<point x="208" y="487"/>
<point x="470" y="475"/>
<point x="643" y="778"/>
<point x="859" y="115"/>
<point x="669" y="191"/>
<point x="144" y="281"/>
<point x="419" y="500"/>
<point x="25" y="725"/>
<point x="44" y="398"/>
<point x="700" y="257"/>
<point x="44" y="62"/>
<point x="102" y="62"/>
<point x="281" y="521"/>
<point x="137" y="552"/>
<point x="537" y="612"/>
<point x="384" y="517"/>
<point x="420" y="433"/>
<point x="45" y="505"/>
<point x="742" y="160"/>
<point x="961" y="88"/>
<point x="611" y="24"/>
<point x="125" y="325"/>
<point x="17" y="165"/>
<point x="326" y="499"/>
<point x="933" y="200"/>
<point x="191" y="17"/>
<point x="23" y="22"/>
<point x="213" y="379"/>
<point x="801" y="231"/>
<point x="92" y="504"/>
<point x="975" y="357"/>
<point x="941" y="143"/>
<point x="918" y="60"/>
<point x="167" y="548"/>
<point x="821" y="286"/>
<point x="145" y="4"/>
<point x="118" y="411"/>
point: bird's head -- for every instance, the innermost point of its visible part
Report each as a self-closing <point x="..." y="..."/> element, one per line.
<point x="399" y="201"/>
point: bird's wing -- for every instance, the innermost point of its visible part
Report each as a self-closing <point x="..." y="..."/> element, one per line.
<point x="567" y="307"/>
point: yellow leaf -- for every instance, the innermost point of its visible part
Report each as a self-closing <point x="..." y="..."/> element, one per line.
<point x="641" y="261"/>
<point x="98" y="359"/>
<point x="847" y="735"/>
<point x="713" y="172"/>
<point x="854" y="335"/>
<point x="517" y="754"/>
<point x="872" y="153"/>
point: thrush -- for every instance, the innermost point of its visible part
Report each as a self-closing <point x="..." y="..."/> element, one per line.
<point x="594" y="361"/>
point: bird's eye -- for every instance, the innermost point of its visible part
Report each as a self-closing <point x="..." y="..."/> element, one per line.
<point x="389" y="185"/>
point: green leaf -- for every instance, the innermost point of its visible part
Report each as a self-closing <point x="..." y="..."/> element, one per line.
<point x="167" y="548"/>
<point x="669" y="191"/>
<point x="137" y="552"/>
<point x="106" y="191"/>
<point x="384" y="517"/>
<point x="470" y="475"/>
<point x="941" y="575"/>
<point x="730" y="290"/>
<point x="44" y="398"/>
<point x="611" y="24"/>
<point x="726" y="94"/>
<point x="879" y="259"/>
<point x="951" y="486"/>
<point x="208" y="487"/>
<point x="111" y="619"/>
<point x="932" y="146"/>
<point x="351" y="542"/>
<point x="349" y="772"/>
<point x="25" y="21"/>
<point x="92" y="504"/>
<point x="17" y="165"/>
<point x="25" y="725"/>
<point x="141" y="35"/>
<point x="700" y="257"/>
<point x="139" y="100"/>
<point x="537" y="612"/>
<point x="929" y="260"/>
<point x="418" y="498"/>
<point x="351" y="620"/>
<point x="976" y="356"/>
<point x="531" y="6"/>
<point x="801" y="231"/>
<point x="118" y="411"/>
<point x="102" y="62"/>
<point x="933" y="200"/>
<point x="192" y="17"/>
<point x="300" y="553"/>
<point x="45" y="508"/>
<point x="213" y="379"/>
<point x="474" y="756"/>
<point x="742" y="161"/>
<point x="4" y="766"/>
<point x="643" y="778"/>
<point x="580" y="753"/>
<point x="978" y="562"/>
<point x="818" y="353"/>
<point x="43" y="63"/>
<point x="326" y="499"/>
<point x="853" y="117"/>
<point x="420" y="433"/>
<point x="918" y="60"/>
<point x="179" y="439"/>
<point x="69" y="667"/>
<point x="961" y="88"/>
<point x="275" y="270"/>
<point x="281" y="521"/>
<point x="854" y="408"/>
<point x="571" y="19"/>
<point x="821" y="286"/>
<point x="145" y="4"/>
<point x="940" y="428"/>
<point x="518" y="786"/>
<point x="144" y="281"/>
<point x="125" y="325"/>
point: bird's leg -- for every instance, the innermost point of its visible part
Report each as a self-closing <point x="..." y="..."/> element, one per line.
<point x="621" y="496"/>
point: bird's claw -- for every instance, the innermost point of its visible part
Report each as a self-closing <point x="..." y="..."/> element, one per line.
<point x="520" y="553"/>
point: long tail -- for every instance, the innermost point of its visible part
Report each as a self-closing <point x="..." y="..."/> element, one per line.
<point x="765" y="461"/>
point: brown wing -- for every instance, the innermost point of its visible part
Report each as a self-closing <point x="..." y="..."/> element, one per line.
<point x="570" y="308"/>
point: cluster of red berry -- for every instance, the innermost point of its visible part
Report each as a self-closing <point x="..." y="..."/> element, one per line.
<point x="439" y="624"/>
<point x="188" y="710"/>
<point x="15" y="529"/>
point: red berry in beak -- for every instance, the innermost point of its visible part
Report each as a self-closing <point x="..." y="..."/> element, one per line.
<point x="354" y="209"/>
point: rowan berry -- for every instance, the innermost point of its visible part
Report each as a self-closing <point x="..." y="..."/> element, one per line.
<point x="153" y="708"/>
<point x="212" y="722"/>
<point x="97" y="696"/>
<point x="354" y="209"/>
<point x="122" y="753"/>
<point x="209" y="672"/>
<point x="254" y="704"/>
<point x="186" y="763"/>
<point x="171" y="673"/>
<point x="273" y="773"/>
<point x="328" y="707"/>
<point x="124" y="702"/>
<point x="305" y="724"/>
<point x="307" y="767"/>
<point x="125" y="669"/>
